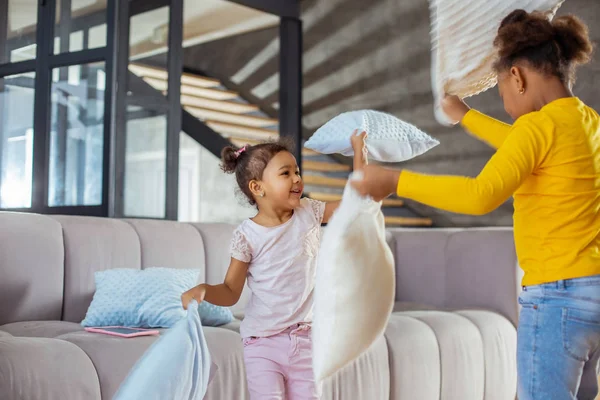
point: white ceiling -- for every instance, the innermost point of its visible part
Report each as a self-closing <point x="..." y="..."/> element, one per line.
<point x="204" y="20"/>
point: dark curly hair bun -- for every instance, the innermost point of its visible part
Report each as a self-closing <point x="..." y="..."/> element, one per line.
<point x="554" y="48"/>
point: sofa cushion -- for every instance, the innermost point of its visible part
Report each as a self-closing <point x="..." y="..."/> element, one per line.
<point x="93" y="244"/>
<point x="227" y="353"/>
<point x="112" y="356"/>
<point x="414" y="359"/>
<point x="170" y="244"/>
<point x="233" y="326"/>
<point x="400" y="306"/>
<point x="495" y="287"/>
<point x="31" y="276"/>
<point x="420" y="255"/>
<point x="4" y="334"/>
<point x="225" y="347"/>
<point x="29" y="370"/>
<point x="458" y="268"/>
<point x="367" y="377"/>
<point x="499" y="348"/>
<point x="42" y="329"/>
<point x="461" y="354"/>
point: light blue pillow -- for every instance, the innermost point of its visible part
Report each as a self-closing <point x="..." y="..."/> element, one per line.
<point x="177" y="366"/>
<point x="212" y="315"/>
<point x="149" y="298"/>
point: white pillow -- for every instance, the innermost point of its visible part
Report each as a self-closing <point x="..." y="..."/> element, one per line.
<point x="462" y="43"/>
<point x="354" y="291"/>
<point x="389" y="138"/>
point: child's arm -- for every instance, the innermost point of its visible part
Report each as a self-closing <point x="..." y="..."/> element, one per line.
<point x="485" y="128"/>
<point x="225" y="294"/>
<point x="360" y="160"/>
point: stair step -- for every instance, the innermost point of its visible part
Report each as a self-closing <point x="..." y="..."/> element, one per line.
<point x="207" y="93"/>
<point x="218" y="105"/>
<point x="323" y="166"/>
<point x="239" y="142"/>
<point x="338" y="196"/>
<point x="406" y="221"/>
<point x="249" y="120"/>
<point x="161" y="74"/>
<point x="309" y="152"/>
<point x="242" y="131"/>
<point x="318" y="180"/>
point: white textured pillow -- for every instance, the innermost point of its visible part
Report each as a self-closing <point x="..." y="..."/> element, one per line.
<point x="462" y="43"/>
<point x="389" y="138"/>
<point x="354" y="291"/>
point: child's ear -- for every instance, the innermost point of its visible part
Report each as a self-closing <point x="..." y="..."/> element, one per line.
<point x="256" y="188"/>
<point x="518" y="77"/>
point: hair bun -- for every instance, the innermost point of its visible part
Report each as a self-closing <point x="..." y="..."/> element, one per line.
<point x="520" y="31"/>
<point x="572" y="37"/>
<point x="229" y="159"/>
<point x="514" y="17"/>
<point x="554" y="48"/>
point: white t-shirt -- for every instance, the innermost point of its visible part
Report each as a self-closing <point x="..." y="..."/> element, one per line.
<point x="281" y="275"/>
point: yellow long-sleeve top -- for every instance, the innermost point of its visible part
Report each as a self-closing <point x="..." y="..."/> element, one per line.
<point x="550" y="161"/>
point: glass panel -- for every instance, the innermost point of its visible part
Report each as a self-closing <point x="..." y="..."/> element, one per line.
<point x="79" y="25"/>
<point x="17" y="31"/>
<point x="149" y="34"/>
<point x="207" y="194"/>
<point x="145" y="160"/>
<point x="145" y="163"/>
<point x="16" y="140"/>
<point x="77" y="136"/>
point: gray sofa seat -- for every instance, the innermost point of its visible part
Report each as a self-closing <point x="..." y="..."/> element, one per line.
<point x="473" y="353"/>
<point x="43" y="329"/>
<point x="46" y="368"/>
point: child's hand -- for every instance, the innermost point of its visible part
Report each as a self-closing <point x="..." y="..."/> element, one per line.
<point x="197" y="293"/>
<point x="377" y="182"/>
<point x="360" y="149"/>
<point x="358" y="142"/>
<point x="454" y="108"/>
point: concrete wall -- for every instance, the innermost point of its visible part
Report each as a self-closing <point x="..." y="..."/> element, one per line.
<point x="375" y="54"/>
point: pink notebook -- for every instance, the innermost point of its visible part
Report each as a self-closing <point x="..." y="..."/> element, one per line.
<point x="123" y="331"/>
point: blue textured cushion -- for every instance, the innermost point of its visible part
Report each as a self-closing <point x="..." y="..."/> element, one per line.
<point x="212" y="315"/>
<point x="149" y="298"/>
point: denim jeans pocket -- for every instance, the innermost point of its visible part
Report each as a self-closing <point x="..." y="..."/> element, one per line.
<point x="530" y="300"/>
<point x="580" y="332"/>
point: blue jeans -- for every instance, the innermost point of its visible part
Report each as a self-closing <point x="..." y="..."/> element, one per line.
<point x="558" y="347"/>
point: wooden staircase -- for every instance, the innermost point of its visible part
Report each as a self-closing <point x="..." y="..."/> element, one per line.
<point x="227" y="113"/>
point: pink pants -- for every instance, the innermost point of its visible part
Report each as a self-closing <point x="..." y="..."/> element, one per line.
<point x="279" y="367"/>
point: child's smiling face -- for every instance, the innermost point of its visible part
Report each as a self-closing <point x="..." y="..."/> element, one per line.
<point x="281" y="181"/>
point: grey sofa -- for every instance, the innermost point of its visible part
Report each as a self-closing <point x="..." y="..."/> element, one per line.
<point x="452" y="335"/>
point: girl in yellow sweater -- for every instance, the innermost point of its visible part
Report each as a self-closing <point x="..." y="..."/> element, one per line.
<point x="549" y="160"/>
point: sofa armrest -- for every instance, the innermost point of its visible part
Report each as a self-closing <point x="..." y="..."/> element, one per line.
<point x="458" y="268"/>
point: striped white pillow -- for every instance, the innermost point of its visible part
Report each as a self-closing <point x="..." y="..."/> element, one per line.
<point x="462" y="36"/>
